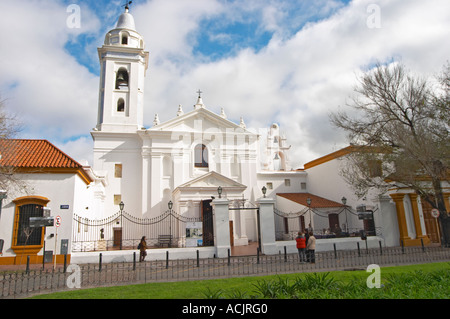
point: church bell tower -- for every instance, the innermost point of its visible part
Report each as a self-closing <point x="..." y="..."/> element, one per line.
<point x="123" y="65"/>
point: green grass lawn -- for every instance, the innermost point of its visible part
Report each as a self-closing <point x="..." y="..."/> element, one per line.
<point x="427" y="281"/>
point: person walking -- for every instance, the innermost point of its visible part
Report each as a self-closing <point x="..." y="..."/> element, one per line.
<point x="311" y="248"/>
<point x="301" y="246"/>
<point x="142" y="249"/>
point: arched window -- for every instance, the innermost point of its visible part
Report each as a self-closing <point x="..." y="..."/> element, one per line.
<point x="124" y="39"/>
<point x="121" y="105"/>
<point x="201" y="156"/>
<point x="122" y="79"/>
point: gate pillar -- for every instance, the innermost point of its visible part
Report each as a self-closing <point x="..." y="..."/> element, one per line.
<point x="267" y="226"/>
<point x="221" y="226"/>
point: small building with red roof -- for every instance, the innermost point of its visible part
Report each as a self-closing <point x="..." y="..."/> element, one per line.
<point x="41" y="181"/>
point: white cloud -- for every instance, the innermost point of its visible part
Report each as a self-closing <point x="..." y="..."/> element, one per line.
<point x="53" y="95"/>
<point x="80" y="149"/>
<point x="296" y="80"/>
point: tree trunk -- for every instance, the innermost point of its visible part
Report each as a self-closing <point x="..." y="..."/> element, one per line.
<point x="443" y="216"/>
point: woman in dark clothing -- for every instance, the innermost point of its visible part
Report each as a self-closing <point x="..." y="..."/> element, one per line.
<point x="142" y="249"/>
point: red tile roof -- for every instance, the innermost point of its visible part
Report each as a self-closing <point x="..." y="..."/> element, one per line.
<point x="316" y="201"/>
<point x="22" y="153"/>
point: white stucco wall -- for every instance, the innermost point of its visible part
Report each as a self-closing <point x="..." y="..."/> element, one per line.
<point x="62" y="190"/>
<point x="325" y="180"/>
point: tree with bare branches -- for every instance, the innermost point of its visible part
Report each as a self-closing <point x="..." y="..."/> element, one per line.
<point x="399" y="125"/>
<point x="9" y="128"/>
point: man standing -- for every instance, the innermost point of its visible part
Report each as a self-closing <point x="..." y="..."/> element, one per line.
<point x="311" y="248"/>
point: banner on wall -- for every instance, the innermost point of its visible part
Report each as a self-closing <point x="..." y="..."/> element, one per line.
<point x="194" y="234"/>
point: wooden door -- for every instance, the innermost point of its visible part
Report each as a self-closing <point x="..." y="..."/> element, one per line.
<point x="231" y="234"/>
<point x="208" y="225"/>
<point x="117" y="236"/>
<point x="431" y="223"/>
<point x="302" y="224"/>
<point x="333" y="220"/>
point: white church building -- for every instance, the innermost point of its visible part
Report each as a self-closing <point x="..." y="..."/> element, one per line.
<point x="184" y="160"/>
<point x="198" y="168"/>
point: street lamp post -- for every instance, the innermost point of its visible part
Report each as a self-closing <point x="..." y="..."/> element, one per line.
<point x="170" y="205"/>
<point x="344" y="201"/>
<point x="308" y="201"/>
<point x="121" y="206"/>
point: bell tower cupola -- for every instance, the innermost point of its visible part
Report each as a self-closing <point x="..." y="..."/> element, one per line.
<point x="123" y="66"/>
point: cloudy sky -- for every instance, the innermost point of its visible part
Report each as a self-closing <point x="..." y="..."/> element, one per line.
<point x="290" y="62"/>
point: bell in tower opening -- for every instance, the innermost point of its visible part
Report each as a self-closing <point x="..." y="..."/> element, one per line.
<point x="122" y="79"/>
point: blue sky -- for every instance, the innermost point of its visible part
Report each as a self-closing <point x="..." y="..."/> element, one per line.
<point x="283" y="61"/>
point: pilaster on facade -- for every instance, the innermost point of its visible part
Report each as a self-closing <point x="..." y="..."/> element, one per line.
<point x="417" y="219"/>
<point x="402" y="226"/>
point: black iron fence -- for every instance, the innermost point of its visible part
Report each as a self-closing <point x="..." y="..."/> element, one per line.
<point x="124" y="231"/>
<point x="24" y="283"/>
<point x="288" y="225"/>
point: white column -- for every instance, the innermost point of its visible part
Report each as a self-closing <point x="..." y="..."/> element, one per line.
<point x="145" y="181"/>
<point x="221" y="226"/>
<point x="267" y="226"/>
<point x="155" y="190"/>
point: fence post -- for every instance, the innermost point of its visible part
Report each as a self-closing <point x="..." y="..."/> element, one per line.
<point x="359" y="250"/>
<point x="100" y="262"/>
<point x="134" y="260"/>
<point x="423" y="246"/>
<point x="257" y="255"/>
<point x="198" y="258"/>
<point x="167" y="259"/>
<point x="229" y="256"/>
<point x="285" y="254"/>
<point x="381" y="248"/>
<point x="28" y="265"/>
<point x="65" y="263"/>
<point x="403" y="247"/>
<point x="335" y="252"/>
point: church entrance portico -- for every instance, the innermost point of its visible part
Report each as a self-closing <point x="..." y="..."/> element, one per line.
<point x="195" y="199"/>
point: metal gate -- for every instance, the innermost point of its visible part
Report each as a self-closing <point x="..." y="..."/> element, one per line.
<point x="124" y="231"/>
<point x="258" y="223"/>
<point x="287" y="225"/>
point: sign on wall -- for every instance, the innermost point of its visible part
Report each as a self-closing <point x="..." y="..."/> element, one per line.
<point x="194" y="234"/>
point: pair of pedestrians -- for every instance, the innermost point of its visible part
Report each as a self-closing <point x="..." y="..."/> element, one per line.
<point x="306" y="247"/>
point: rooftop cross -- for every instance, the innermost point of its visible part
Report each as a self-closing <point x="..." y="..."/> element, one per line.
<point x="199" y="93"/>
<point x="127" y="5"/>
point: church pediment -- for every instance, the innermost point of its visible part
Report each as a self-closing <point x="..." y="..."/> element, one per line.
<point x="199" y="120"/>
<point x="212" y="181"/>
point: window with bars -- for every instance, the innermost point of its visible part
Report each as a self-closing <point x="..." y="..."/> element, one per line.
<point x="26" y="235"/>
